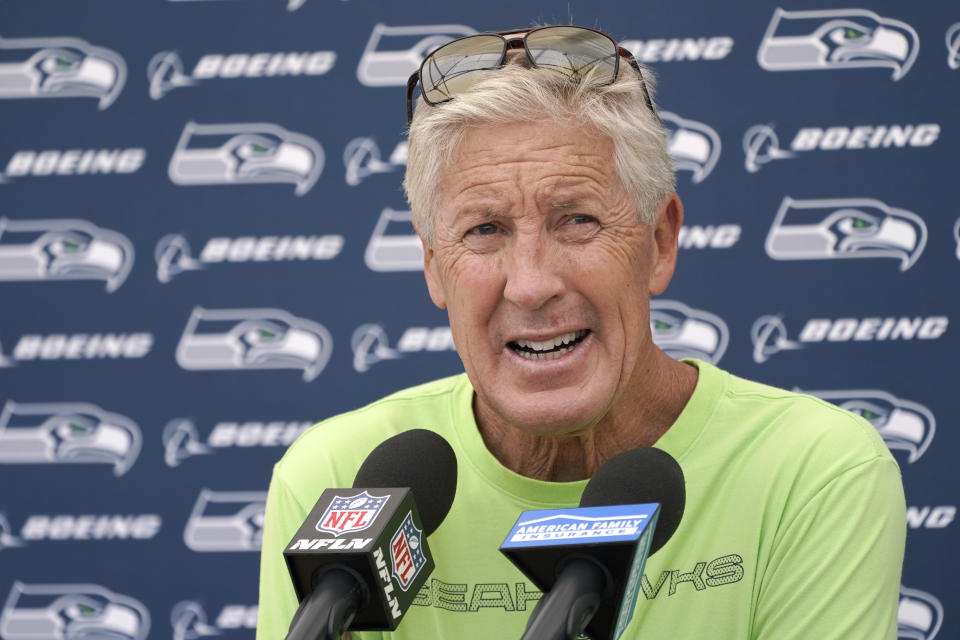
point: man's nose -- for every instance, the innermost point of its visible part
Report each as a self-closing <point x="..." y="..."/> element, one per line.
<point x="532" y="275"/>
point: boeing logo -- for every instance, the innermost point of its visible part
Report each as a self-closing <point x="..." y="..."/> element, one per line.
<point x="247" y="153"/>
<point x="679" y="49"/>
<point x="394" y="245"/>
<point x="904" y="425"/>
<point x="837" y="39"/>
<point x="226" y="521"/>
<point x="684" y="332"/>
<point x="392" y="54"/>
<point x="223" y="339"/>
<point x="761" y="144"/>
<point x="189" y="620"/>
<point x="165" y="71"/>
<point x="181" y="439"/>
<point x="370" y="344"/>
<point x="953" y="46"/>
<point x="174" y="256"/>
<point x="845" y="228"/>
<point x="67" y="433"/>
<point x="362" y="158"/>
<point x="919" y="615"/>
<point x="65" y="611"/>
<point x="769" y="333"/>
<point x="73" y="162"/>
<point x="60" y="68"/>
<point x="694" y="146"/>
<point x="7" y="539"/>
<point x="35" y="250"/>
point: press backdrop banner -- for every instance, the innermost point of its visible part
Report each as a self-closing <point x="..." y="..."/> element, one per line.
<point x="204" y="249"/>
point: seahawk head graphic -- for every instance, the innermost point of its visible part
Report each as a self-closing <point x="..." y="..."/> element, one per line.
<point x="684" y="332"/>
<point x="904" y="425"/>
<point x="60" y="68"/>
<point x="65" y="432"/>
<point x="253" y="339"/>
<point x="845" y="228"/>
<point x="226" y="521"/>
<point x="919" y="615"/>
<point x="694" y="146"/>
<point x="71" y="611"/>
<point x="837" y="39"/>
<point x="63" y="250"/>
<point x="245" y="153"/>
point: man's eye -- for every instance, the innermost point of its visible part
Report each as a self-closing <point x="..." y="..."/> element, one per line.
<point x="485" y="229"/>
<point x="581" y="218"/>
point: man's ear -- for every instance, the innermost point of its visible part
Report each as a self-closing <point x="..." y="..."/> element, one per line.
<point x="666" y="232"/>
<point x="432" y="275"/>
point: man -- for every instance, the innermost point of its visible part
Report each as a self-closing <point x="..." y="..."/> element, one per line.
<point x="543" y="194"/>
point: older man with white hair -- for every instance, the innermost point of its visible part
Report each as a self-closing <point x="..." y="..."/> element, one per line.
<point x="543" y="193"/>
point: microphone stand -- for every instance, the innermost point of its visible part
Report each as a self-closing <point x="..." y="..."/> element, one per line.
<point x="328" y="611"/>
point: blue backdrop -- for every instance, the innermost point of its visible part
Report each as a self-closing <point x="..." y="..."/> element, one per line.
<point x="204" y="249"/>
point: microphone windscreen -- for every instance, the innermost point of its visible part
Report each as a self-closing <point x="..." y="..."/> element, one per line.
<point x="641" y="475"/>
<point x="419" y="459"/>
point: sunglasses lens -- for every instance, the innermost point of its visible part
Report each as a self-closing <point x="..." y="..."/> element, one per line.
<point x="579" y="54"/>
<point x="452" y="68"/>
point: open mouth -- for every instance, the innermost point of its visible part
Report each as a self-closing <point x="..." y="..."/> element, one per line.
<point x="549" y="349"/>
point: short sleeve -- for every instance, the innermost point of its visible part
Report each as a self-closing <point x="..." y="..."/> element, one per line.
<point x="835" y="570"/>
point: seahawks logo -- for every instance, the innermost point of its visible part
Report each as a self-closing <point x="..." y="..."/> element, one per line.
<point x="248" y="153"/>
<point x="392" y="54"/>
<point x="684" y="332"/>
<point x="394" y="244"/>
<point x="222" y="339"/>
<point x="919" y="615"/>
<point x="226" y="521"/>
<point x="904" y="425"/>
<point x="837" y="39"/>
<point x="694" y="146"/>
<point x="67" y="611"/>
<point x="845" y="228"/>
<point x="35" y="250"/>
<point x="67" y="433"/>
<point x="60" y="68"/>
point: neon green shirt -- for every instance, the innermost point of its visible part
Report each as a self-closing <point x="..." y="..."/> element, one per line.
<point x="794" y="524"/>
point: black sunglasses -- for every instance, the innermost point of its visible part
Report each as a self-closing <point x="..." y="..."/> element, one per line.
<point x="576" y="52"/>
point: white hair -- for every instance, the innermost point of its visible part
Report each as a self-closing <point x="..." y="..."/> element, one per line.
<point x="517" y="93"/>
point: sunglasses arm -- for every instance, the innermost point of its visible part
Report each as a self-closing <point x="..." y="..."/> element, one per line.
<point x="411" y="85"/>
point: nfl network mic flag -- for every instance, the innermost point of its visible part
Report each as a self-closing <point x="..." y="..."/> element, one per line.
<point x="375" y="532"/>
<point x="617" y="536"/>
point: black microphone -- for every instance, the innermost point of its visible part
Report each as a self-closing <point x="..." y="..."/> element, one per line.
<point x="361" y="556"/>
<point x="588" y="561"/>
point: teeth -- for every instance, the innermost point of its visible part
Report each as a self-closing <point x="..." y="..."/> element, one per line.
<point x="548" y="349"/>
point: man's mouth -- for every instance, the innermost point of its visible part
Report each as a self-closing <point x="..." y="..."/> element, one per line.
<point x="550" y="349"/>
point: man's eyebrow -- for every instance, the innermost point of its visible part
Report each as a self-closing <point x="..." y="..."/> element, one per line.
<point x="565" y="204"/>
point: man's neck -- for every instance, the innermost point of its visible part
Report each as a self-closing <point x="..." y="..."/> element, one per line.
<point x="632" y="422"/>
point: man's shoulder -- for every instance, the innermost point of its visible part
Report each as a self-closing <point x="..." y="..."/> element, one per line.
<point x="343" y="441"/>
<point x="794" y="418"/>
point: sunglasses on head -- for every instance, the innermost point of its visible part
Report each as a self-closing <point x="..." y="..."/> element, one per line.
<point x="576" y="52"/>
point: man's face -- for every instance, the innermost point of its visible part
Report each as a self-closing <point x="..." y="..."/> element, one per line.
<point x="545" y="269"/>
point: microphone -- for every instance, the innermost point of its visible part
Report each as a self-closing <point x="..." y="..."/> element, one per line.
<point x="588" y="561"/>
<point x="360" y="557"/>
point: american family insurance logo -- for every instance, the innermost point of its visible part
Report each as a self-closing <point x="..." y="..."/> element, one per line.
<point x="245" y="153"/>
<point x="843" y="228"/>
<point x="35" y="250"/>
<point x="903" y="424"/>
<point x="837" y="39"/>
<point x="67" y="433"/>
<point x="246" y="339"/>
<point x="65" y="611"/>
<point x="60" y="68"/>
<point x="165" y="71"/>
<point x="770" y="335"/>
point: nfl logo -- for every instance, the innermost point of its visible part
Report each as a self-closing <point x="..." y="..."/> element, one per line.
<point x="406" y="552"/>
<point x="351" y="513"/>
